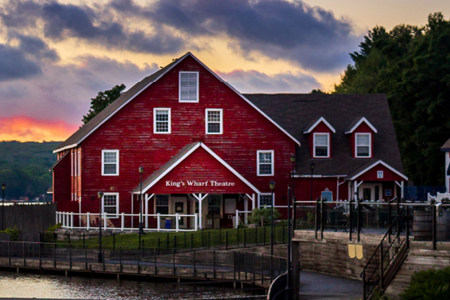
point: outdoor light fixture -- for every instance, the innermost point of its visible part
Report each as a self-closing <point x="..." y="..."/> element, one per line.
<point x="272" y="187"/>
<point x="100" y="254"/>
<point x="141" y="226"/>
<point x="3" y="204"/>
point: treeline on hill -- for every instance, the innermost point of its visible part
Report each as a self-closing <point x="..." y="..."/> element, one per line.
<point x="411" y="65"/>
<point x="24" y="168"/>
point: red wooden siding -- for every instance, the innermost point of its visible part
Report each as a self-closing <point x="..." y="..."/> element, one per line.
<point x="62" y="186"/>
<point x="303" y="188"/>
<point x="202" y="168"/>
<point x="371" y="175"/>
<point x="131" y="132"/>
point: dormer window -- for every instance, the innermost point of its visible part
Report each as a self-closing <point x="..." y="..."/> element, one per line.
<point x="321" y="145"/>
<point x="188" y="87"/>
<point x="363" y="145"/>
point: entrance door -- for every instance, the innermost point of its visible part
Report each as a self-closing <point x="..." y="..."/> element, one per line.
<point x="369" y="191"/>
<point x="180" y="207"/>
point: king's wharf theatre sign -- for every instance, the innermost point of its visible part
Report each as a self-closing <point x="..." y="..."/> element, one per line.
<point x="211" y="183"/>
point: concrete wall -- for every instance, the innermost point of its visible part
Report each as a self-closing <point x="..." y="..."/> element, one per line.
<point x="330" y="255"/>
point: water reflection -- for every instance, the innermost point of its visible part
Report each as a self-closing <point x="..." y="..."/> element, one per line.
<point x="57" y="286"/>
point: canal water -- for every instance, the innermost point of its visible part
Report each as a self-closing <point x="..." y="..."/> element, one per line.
<point x="22" y="285"/>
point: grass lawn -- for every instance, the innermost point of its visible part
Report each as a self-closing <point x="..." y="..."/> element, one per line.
<point x="234" y="238"/>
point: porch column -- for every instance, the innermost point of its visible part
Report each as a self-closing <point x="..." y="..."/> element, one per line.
<point x="401" y="184"/>
<point x="356" y="185"/>
<point x="253" y="198"/>
<point x="200" y="199"/>
<point x="147" y="198"/>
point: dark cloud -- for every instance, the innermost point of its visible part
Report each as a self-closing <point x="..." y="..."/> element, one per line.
<point x="257" y="82"/>
<point x="36" y="47"/>
<point x="307" y="36"/>
<point x="14" y="64"/>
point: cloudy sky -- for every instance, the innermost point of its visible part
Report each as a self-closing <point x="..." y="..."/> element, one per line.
<point x="56" y="55"/>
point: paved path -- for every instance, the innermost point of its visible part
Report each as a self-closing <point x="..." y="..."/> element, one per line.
<point x="321" y="286"/>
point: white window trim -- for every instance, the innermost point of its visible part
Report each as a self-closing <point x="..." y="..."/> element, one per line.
<point x="169" y="204"/>
<point x="380" y="174"/>
<point x="179" y="88"/>
<point x="272" y="152"/>
<point x="266" y="194"/>
<point x="109" y="216"/>
<point x="221" y="120"/>
<point x="169" y="127"/>
<point x="103" y="162"/>
<point x="370" y="144"/>
<point x="328" y="145"/>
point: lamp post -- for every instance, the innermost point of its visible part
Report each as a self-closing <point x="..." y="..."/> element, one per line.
<point x="288" y="279"/>
<point x="3" y="204"/>
<point x="294" y="205"/>
<point x="272" y="187"/>
<point x="141" y="226"/>
<point x="100" y="254"/>
<point x="311" y="167"/>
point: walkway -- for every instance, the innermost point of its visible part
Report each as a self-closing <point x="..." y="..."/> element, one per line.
<point x="321" y="286"/>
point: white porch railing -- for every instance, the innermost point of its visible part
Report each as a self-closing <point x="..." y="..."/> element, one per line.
<point x="242" y="212"/>
<point x="124" y="222"/>
<point x="439" y="197"/>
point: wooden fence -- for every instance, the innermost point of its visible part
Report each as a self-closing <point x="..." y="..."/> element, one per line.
<point x="29" y="218"/>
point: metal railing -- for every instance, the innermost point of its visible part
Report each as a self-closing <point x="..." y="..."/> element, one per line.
<point x="244" y="267"/>
<point x="127" y="222"/>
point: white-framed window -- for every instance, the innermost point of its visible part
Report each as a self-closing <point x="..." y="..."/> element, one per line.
<point x="380" y="174"/>
<point x="321" y="145"/>
<point x="214" y="121"/>
<point x="363" y="147"/>
<point x="110" y="162"/>
<point x="215" y="205"/>
<point x="110" y="205"/>
<point x="266" y="199"/>
<point x="265" y="162"/>
<point x="162" y="204"/>
<point x="188" y="87"/>
<point x="161" y="120"/>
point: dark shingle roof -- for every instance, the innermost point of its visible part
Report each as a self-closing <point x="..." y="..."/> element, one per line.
<point x="295" y="111"/>
<point x="84" y="131"/>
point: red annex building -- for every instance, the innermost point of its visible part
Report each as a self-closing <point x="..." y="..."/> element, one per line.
<point x="207" y="151"/>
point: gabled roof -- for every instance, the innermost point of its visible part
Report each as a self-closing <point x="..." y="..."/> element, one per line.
<point x="58" y="161"/>
<point x="129" y="95"/>
<point x="446" y="146"/>
<point x="372" y="165"/>
<point x="313" y="124"/>
<point x="355" y="124"/>
<point x="295" y="111"/>
<point x="180" y="157"/>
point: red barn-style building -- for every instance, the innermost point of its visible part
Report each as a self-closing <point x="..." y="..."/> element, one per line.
<point x="206" y="149"/>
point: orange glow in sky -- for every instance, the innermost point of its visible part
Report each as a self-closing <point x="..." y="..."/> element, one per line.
<point x="24" y="129"/>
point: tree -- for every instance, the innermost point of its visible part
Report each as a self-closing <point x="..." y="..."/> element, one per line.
<point x="411" y="65"/>
<point x="102" y="100"/>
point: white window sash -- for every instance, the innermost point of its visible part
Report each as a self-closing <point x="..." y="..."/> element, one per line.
<point x="117" y="162"/>
<point x="369" y="145"/>
<point x="327" y="145"/>
<point x="258" y="162"/>
<point x="207" y="122"/>
<point x="182" y="89"/>
<point x="265" y="194"/>
<point x="169" y="121"/>
<point x="111" y="215"/>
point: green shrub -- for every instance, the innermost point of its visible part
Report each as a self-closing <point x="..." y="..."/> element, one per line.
<point x="48" y="234"/>
<point x="52" y="228"/>
<point x="13" y="233"/>
<point x="429" y="285"/>
<point x="257" y="213"/>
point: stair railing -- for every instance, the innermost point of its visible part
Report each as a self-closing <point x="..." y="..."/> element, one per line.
<point x="380" y="268"/>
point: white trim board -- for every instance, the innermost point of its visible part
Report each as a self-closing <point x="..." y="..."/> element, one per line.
<point x="363" y="119"/>
<point x="176" y="163"/>
<point x="321" y="119"/>
<point x="380" y="162"/>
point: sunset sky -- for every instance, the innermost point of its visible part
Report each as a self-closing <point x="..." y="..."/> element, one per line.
<point x="57" y="55"/>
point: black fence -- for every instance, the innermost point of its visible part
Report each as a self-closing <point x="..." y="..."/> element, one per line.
<point x="232" y="265"/>
<point x="203" y="239"/>
<point x="428" y="221"/>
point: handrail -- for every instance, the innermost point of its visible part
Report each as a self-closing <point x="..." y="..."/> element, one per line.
<point x="371" y="281"/>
